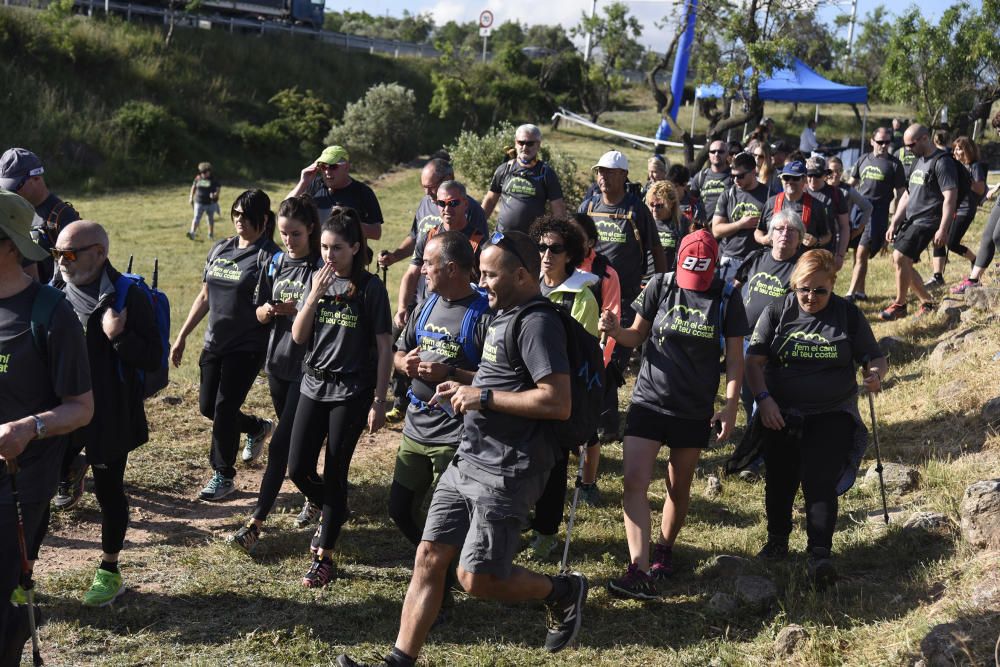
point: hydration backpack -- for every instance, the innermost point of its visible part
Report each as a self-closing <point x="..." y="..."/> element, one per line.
<point x="466" y="335"/>
<point x="964" y="184"/>
<point x="151" y="382"/>
<point x="586" y="376"/>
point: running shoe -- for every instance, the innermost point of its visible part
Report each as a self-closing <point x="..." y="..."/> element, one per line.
<point x="190" y="235"/>
<point x="542" y="546"/>
<point x="634" y="584"/>
<point x="254" y="445"/>
<point x="395" y="415"/>
<point x="964" y="286"/>
<point x="18" y="596"/>
<point x="106" y="588"/>
<point x="662" y="563"/>
<point x="217" y="488"/>
<point x="850" y="297"/>
<point x="309" y="514"/>
<point x="895" y="311"/>
<point x="320" y="573"/>
<point x="860" y="296"/>
<point x="926" y="308"/>
<point x="934" y="283"/>
<point x="775" y="548"/>
<point x="564" y="616"/>
<point x="70" y="490"/>
<point x="344" y="660"/>
<point x="246" y="537"/>
<point x="590" y="495"/>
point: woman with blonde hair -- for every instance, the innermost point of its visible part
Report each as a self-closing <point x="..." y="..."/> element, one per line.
<point x="663" y="203"/>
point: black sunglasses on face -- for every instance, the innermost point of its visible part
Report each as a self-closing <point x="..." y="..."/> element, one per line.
<point x="883" y="142"/>
<point x="718" y="150"/>
<point x="741" y="174"/>
<point x="555" y="248"/>
<point x="525" y="143"/>
<point x="498" y="240"/>
<point x="816" y="291"/>
<point x="793" y="179"/>
<point x="448" y="203"/>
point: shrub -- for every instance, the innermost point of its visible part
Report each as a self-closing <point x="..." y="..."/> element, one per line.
<point x="302" y="117"/>
<point x="382" y="128"/>
<point x="149" y="130"/>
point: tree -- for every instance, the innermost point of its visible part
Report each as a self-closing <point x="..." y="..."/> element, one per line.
<point x="615" y="34"/>
<point x="549" y="37"/>
<point x="955" y="64"/>
<point x="869" y="50"/>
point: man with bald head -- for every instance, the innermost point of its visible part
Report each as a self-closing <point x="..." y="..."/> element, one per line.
<point x="120" y="345"/>
<point x="923" y="216"/>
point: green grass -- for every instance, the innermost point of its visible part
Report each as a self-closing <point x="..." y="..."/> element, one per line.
<point x="198" y="602"/>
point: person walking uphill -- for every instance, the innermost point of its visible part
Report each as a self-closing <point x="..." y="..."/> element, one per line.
<point x="235" y="341"/>
<point x="121" y="346"/>
<point x="45" y="393"/>
<point x="345" y="323"/>
<point x="483" y="499"/>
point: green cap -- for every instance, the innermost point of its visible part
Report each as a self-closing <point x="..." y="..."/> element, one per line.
<point x="333" y="155"/>
<point x="16" y="215"/>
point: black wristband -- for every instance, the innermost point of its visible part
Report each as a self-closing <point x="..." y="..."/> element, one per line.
<point x="761" y="396"/>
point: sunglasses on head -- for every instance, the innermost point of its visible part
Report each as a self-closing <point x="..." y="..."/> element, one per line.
<point x="70" y="254"/>
<point x="554" y="248"/>
<point x="501" y="241"/>
<point x="816" y="291"/>
<point x="525" y="143"/>
<point x="448" y="203"/>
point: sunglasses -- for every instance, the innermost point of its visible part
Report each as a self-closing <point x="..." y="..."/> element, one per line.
<point x="525" y="143"/>
<point x="656" y="206"/>
<point x="742" y="174"/>
<point x="448" y="203"/>
<point x="498" y="239"/>
<point x="717" y="151"/>
<point x="555" y="248"/>
<point x="793" y="179"/>
<point x="882" y="142"/>
<point x="70" y="254"/>
<point x="815" y="291"/>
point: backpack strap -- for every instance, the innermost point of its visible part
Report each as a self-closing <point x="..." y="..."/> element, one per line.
<point x="727" y="293"/>
<point x="510" y="335"/>
<point x="779" y="201"/>
<point x="425" y="312"/>
<point x="277" y="260"/>
<point x="42" y="310"/>
<point x="807" y="202"/>
<point x="467" y="333"/>
<point x="122" y="284"/>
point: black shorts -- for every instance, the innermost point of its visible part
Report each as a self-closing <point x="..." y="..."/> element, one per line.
<point x="913" y="240"/>
<point x="675" y="432"/>
<point x="873" y="236"/>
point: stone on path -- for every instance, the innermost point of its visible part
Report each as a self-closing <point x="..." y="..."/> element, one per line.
<point x="754" y="591"/>
<point x="980" y="511"/>
<point x="898" y="477"/>
<point x="788" y="639"/>
<point x="713" y="487"/>
<point x="722" y="603"/>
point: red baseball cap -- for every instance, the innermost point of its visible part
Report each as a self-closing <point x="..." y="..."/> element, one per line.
<point x="696" y="261"/>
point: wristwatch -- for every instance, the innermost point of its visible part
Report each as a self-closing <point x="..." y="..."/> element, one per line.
<point x="484" y="398"/>
<point x="40" y="430"/>
<point x="761" y="396"/>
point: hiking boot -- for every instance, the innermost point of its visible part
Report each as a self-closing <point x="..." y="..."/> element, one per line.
<point x="395" y="415"/>
<point x="820" y="568"/>
<point x="934" y="283"/>
<point x="71" y="489"/>
<point x="254" y="445"/>
<point x="895" y="311"/>
<point x="775" y="548"/>
<point x="849" y="297"/>
<point x="662" y="563"/>
<point x="964" y="286"/>
<point x="564" y="616"/>
<point x="246" y="537"/>
<point x="926" y="308"/>
<point x="18" y="596"/>
<point x="320" y="573"/>
<point x="309" y="514"/>
<point x="542" y="546"/>
<point x="590" y="495"/>
<point x="106" y="588"/>
<point x="217" y="488"/>
<point x="634" y="584"/>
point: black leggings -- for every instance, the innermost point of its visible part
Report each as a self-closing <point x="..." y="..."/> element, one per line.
<point x="285" y="397"/>
<point x="109" y="487"/>
<point x="955" y="233"/>
<point x="550" y="505"/>
<point x="815" y="460"/>
<point x="991" y="239"/>
<point x="341" y="422"/>
<point x="225" y="382"/>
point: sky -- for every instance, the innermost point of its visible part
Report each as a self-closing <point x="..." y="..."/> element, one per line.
<point x="567" y="12"/>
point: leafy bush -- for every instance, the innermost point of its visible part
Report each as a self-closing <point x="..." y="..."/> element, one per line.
<point x="302" y="117"/>
<point x="382" y="128"/>
<point x="149" y="130"/>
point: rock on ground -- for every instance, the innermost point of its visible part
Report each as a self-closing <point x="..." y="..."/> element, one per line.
<point x="980" y="511"/>
<point x="725" y="565"/>
<point x="898" y="477"/>
<point x="713" y="487"/>
<point x="894" y="347"/>
<point x="754" y="591"/>
<point x="929" y="522"/>
<point x="984" y="298"/>
<point x="991" y="411"/>
<point x="722" y="603"/>
<point x="943" y="645"/>
<point x="788" y="639"/>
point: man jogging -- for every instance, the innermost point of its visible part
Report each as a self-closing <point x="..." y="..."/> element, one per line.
<point x="44" y="393"/>
<point x="119" y="345"/>
<point x="483" y="499"/>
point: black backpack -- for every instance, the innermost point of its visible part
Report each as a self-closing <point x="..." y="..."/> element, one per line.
<point x="962" y="174"/>
<point x="586" y="377"/>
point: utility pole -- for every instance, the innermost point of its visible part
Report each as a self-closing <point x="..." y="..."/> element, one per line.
<point x="590" y="35"/>
<point x="850" y="30"/>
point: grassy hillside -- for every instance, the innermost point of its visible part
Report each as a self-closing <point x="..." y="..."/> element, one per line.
<point x="65" y="84"/>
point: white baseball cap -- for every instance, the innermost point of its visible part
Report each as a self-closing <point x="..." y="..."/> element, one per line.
<point x="612" y="160"/>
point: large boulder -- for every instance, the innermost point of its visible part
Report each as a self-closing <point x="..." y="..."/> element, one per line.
<point x="895" y="348"/>
<point x="898" y="477"/>
<point x="980" y="511"/>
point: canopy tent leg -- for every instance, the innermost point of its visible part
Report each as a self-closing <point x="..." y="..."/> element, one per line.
<point x="694" y="109"/>
<point x="864" y="131"/>
<point x="816" y="117"/>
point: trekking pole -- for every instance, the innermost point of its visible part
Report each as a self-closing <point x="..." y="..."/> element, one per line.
<point x="878" y="458"/>
<point x="128" y="269"/>
<point x="26" y="583"/>
<point x="572" y="510"/>
<point x="385" y="269"/>
<point x="156" y="271"/>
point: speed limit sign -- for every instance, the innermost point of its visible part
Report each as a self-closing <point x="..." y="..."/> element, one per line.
<point x="486" y="19"/>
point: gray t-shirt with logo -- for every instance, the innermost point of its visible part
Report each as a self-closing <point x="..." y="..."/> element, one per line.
<point x="929" y="178"/>
<point x="291" y="280"/>
<point x="500" y="443"/>
<point x="232" y="275"/>
<point x="709" y="186"/>
<point x="733" y="205"/>
<point x="617" y="228"/>
<point x="764" y="280"/>
<point x="523" y="192"/>
<point x="679" y="375"/>
<point x="878" y="178"/>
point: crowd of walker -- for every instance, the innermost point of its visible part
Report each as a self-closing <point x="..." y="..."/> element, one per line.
<point x="726" y="272"/>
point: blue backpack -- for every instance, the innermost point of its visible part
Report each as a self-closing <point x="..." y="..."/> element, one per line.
<point x="156" y="380"/>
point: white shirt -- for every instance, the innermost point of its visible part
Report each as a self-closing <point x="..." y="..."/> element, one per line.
<point x="808" y="141"/>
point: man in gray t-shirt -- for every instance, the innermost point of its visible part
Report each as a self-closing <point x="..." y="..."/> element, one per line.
<point x="483" y="499"/>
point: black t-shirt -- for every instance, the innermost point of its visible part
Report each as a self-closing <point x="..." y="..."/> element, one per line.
<point x="836" y="204"/>
<point x="811" y="359"/>
<point x="433" y="426"/>
<point x="977" y="174"/>
<point x="764" y="280"/>
<point x="617" y="227"/>
<point x="52" y="216"/>
<point x="500" y="443"/>
<point x="523" y="192"/>
<point x="31" y="384"/>
<point x="679" y="375"/>
<point x="819" y="223"/>
<point x="232" y="275"/>
<point x="356" y="195"/>
<point x="204" y="188"/>
<point x="929" y="178"/>
<point x="670" y="239"/>
<point x="343" y="340"/>
<point x="907" y="159"/>
<point x="290" y="280"/>
<point x="709" y="186"/>
<point x="734" y="204"/>
<point x="878" y="178"/>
